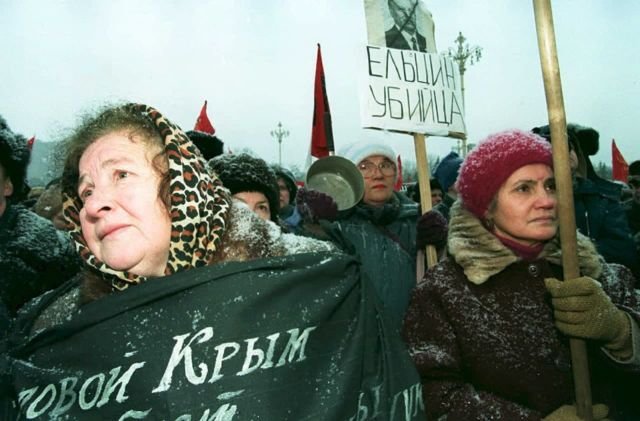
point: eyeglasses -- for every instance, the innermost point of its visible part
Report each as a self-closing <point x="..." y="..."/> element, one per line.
<point x="369" y="168"/>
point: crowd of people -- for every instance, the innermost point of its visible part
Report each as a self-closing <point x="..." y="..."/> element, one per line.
<point x="142" y="205"/>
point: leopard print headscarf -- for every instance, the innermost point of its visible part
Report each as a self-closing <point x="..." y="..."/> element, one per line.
<point x="199" y="207"/>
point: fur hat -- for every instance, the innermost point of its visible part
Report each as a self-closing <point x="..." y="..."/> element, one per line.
<point x="434" y="184"/>
<point x="585" y="141"/>
<point x="588" y="138"/>
<point x="545" y="132"/>
<point x="14" y="159"/>
<point x="447" y="171"/>
<point x="357" y="152"/>
<point x="289" y="180"/>
<point x="244" y="173"/>
<point x="209" y="145"/>
<point x="582" y="139"/>
<point x="492" y="161"/>
<point x="413" y="191"/>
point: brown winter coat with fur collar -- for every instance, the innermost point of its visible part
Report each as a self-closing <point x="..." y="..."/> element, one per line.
<point x="481" y="332"/>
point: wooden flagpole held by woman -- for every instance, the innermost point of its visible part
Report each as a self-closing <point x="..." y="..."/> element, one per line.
<point x="422" y="164"/>
<point x="564" y="188"/>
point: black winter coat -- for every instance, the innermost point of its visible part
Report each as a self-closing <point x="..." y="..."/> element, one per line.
<point x="385" y="240"/>
<point x="601" y="217"/>
<point x="632" y="208"/>
<point x="34" y="256"/>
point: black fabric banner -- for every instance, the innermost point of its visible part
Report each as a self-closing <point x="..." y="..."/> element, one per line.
<point x="292" y="338"/>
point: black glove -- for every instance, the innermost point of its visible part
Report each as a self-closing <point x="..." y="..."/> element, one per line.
<point x="314" y="205"/>
<point x="431" y="230"/>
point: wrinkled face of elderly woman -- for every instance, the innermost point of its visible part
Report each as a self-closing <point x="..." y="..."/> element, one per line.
<point x="124" y="221"/>
<point x="525" y="206"/>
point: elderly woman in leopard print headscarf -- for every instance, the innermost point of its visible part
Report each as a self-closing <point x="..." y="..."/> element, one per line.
<point x="140" y="203"/>
<point x="489" y="327"/>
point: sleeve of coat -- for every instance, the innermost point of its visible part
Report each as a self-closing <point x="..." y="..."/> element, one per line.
<point x="619" y="283"/>
<point x="433" y="346"/>
<point x="616" y="243"/>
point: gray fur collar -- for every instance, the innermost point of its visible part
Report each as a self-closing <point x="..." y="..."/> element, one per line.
<point x="482" y="255"/>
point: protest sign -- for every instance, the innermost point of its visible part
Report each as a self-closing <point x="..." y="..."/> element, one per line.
<point x="412" y="92"/>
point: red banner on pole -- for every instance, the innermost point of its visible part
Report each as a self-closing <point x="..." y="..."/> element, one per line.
<point x="321" y="131"/>
<point x="618" y="164"/>
<point x="202" y="123"/>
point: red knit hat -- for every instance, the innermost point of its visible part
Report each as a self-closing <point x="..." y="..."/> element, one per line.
<point x="490" y="163"/>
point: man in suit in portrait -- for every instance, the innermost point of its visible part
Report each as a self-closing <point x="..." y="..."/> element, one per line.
<point x="404" y="33"/>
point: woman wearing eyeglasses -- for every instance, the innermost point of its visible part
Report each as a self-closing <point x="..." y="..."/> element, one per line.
<point x="382" y="227"/>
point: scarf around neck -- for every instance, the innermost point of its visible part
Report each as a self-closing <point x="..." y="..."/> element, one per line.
<point x="527" y="253"/>
<point x="481" y="254"/>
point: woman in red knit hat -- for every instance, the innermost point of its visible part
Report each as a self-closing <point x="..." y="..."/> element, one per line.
<point x="488" y="328"/>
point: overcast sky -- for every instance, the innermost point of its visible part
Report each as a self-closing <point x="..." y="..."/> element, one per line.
<point x="254" y="61"/>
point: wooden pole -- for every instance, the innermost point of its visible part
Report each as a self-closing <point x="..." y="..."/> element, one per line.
<point x="425" y="197"/>
<point x="564" y="188"/>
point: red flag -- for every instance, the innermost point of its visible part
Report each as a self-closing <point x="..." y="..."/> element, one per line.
<point x="619" y="165"/>
<point x="30" y="142"/>
<point x="202" y="123"/>
<point x="321" y="131"/>
<point x="398" y="185"/>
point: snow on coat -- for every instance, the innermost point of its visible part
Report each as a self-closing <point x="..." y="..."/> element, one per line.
<point x="385" y="240"/>
<point x="34" y="256"/>
<point x="481" y="331"/>
<point x="250" y="237"/>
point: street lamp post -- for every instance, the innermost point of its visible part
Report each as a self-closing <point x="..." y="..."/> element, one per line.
<point x="461" y="54"/>
<point x="279" y="133"/>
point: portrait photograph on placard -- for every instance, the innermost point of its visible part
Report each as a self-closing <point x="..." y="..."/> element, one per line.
<point x="401" y="24"/>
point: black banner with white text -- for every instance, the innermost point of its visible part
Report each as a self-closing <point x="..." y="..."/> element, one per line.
<point x="291" y="338"/>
